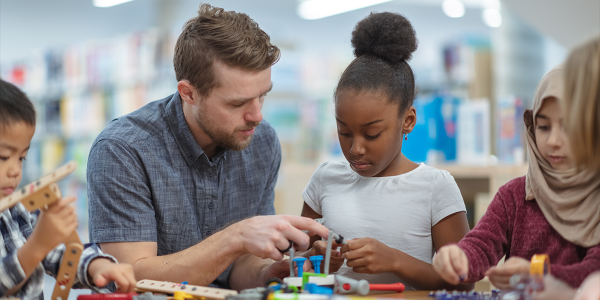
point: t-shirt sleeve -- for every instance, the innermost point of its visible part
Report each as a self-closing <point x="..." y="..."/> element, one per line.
<point x="312" y="193"/>
<point x="445" y="197"/>
<point x="120" y="199"/>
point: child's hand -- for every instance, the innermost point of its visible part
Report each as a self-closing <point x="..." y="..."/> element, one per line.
<point x="368" y="255"/>
<point x="55" y="224"/>
<point x="554" y="289"/>
<point x="452" y="264"/>
<point x="102" y="271"/>
<point x="500" y="276"/>
<point x="336" y="261"/>
<point x="590" y="288"/>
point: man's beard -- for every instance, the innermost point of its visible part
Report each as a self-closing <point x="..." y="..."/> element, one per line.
<point x="221" y="137"/>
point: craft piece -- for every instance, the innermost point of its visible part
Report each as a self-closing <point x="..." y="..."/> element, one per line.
<point x="171" y="288"/>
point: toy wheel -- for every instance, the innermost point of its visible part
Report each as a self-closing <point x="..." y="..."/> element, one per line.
<point x="273" y="281"/>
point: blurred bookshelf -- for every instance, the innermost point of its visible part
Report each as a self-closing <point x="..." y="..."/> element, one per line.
<point x="78" y="90"/>
<point x="461" y="126"/>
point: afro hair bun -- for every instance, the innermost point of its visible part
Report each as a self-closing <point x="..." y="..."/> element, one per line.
<point x="389" y="36"/>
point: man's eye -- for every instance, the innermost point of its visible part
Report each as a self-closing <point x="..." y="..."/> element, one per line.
<point x="344" y="133"/>
<point x="3" y="158"/>
<point x="372" y="137"/>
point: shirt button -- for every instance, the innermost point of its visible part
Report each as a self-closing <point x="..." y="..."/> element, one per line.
<point x="211" y="205"/>
<point x="208" y="233"/>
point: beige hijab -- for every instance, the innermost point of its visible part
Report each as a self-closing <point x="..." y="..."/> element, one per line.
<point x="569" y="199"/>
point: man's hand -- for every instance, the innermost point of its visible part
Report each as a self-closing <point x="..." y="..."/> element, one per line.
<point x="337" y="259"/>
<point x="500" y="276"/>
<point x="368" y="255"/>
<point x="452" y="264"/>
<point x="54" y="225"/>
<point x="265" y="236"/>
<point x="102" y="271"/>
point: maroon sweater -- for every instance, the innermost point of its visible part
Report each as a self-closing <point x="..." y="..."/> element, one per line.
<point x="513" y="226"/>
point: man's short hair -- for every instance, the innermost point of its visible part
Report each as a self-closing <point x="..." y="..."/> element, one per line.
<point x="232" y="38"/>
<point x="15" y="107"/>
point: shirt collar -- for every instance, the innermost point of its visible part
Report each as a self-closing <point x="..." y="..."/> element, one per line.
<point x="180" y="130"/>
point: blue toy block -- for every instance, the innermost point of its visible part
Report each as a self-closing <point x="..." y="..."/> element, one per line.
<point x="315" y="289"/>
<point x="300" y="264"/>
<point x="316" y="262"/>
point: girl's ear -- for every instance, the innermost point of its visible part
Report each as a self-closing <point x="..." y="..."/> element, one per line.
<point x="410" y="119"/>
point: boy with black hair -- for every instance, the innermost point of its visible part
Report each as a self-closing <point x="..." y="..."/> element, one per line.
<point x="31" y="243"/>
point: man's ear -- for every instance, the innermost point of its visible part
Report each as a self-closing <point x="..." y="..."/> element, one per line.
<point x="187" y="92"/>
<point x="410" y="120"/>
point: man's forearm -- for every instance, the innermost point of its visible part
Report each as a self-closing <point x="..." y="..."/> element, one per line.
<point x="200" y="264"/>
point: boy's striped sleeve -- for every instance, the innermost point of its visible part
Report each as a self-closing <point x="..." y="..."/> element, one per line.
<point x="11" y="273"/>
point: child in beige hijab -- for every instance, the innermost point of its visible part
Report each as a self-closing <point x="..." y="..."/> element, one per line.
<point x="552" y="210"/>
<point x="582" y="120"/>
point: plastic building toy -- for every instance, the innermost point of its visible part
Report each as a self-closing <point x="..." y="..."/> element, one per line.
<point x="345" y="285"/>
<point x="396" y="287"/>
<point x="524" y="286"/>
<point x="455" y="295"/>
<point x="192" y="290"/>
<point x="316" y="262"/>
<point x="39" y="194"/>
<point x="300" y="263"/>
<point x="132" y="296"/>
<point x="107" y="296"/>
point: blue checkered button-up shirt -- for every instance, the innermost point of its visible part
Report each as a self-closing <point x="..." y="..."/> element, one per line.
<point x="148" y="180"/>
<point x="16" y="225"/>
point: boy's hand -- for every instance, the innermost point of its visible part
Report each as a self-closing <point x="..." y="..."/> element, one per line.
<point x="452" y="264"/>
<point x="55" y="224"/>
<point x="500" y="276"/>
<point x="336" y="261"/>
<point x="368" y="255"/>
<point x="102" y="271"/>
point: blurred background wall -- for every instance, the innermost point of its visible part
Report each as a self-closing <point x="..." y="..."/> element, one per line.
<point x="477" y="67"/>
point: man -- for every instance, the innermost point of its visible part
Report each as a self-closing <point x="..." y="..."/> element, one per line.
<point x="166" y="179"/>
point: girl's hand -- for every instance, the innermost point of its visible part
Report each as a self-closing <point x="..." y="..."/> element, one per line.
<point x="55" y="225"/>
<point x="590" y="288"/>
<point x="500" y="276"/>
<point x="336" y="261"/>
<point x="554" y="289"/>
<point x="368" y="255"/>
<point x="102" y="271"/>
<point x="452" y="264"/>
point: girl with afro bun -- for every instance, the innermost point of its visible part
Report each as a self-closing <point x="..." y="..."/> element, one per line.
<point x="393" y="212"/>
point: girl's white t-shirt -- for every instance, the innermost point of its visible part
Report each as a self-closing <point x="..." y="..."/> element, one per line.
<point x="399" y="211"/>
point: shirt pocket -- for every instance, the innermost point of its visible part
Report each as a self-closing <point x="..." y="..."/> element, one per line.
<point x="175" y="236"/>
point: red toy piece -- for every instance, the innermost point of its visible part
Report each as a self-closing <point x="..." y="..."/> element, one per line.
<point x="396" y="287"/>
<point x="107" y="296"/>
